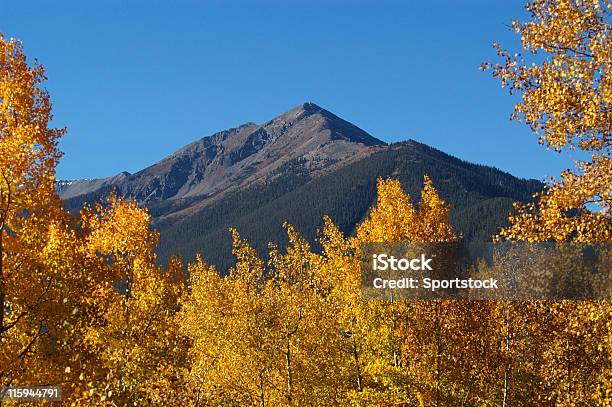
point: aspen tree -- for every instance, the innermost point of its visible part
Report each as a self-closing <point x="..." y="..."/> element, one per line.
<point x="28" y="157"/>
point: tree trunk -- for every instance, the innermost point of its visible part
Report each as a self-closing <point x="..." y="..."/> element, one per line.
<point x="506" y="383"/>
<point x="437" y="353"/>
<point x="2" y="293"/>
<point x="262" y="393"/>
<point x="3" y="220"/>
<point x="356" y="357"/>
<point x="569" y="368"/>
<point x="289" y="377"/>
<point x="507" y="370"/>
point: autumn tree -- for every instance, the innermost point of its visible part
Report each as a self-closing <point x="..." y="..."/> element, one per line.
<point x="405" y="352"/>
<point x="312" y="341"/>
<point x="265" y="334"/>
<point x="565" y="86"/>
<point x="340" y="267"/>
<point x="29" y="289"/>
<point x="230" y="325"/>
<point x="134" y="337"/>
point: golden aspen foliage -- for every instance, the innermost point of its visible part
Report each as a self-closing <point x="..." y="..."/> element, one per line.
<point x="565" y="86"/>
<point x="406" y="345"/>
<point x="60" y="277"/>
<point x="340" y="267"/>
<point x="394" y="218"/>
<point x="46" y="275"/>
<point x="230" y="323"/>
<point x="28" y="151"/>
<point x="134" y="338"/>
<point x="574" y="361"/>
<point x="561" y="212"/>
<point x="265" y="334"/>
<point x="542" y="356"/>
<point x="566" y="93"/>
<point x="30" y="289"/>
<point x="434" y="216"/>
<point x="549" y="353"/>
<point x="310" y="339"/>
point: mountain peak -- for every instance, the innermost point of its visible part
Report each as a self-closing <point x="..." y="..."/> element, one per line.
<point x="312" y="114"/>
<point x="306" y="134"/>
<point x="301" y="111"/>
<point x="311" y="108"/>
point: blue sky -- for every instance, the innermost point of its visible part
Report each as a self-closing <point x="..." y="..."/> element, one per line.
<point x="135" y="80"/>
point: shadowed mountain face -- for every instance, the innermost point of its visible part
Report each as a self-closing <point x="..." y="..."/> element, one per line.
<point x="297" y="167"/>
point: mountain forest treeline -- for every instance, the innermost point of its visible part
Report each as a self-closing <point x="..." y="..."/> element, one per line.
<point x="86" y="305"/>
<point x="482" y="197"/>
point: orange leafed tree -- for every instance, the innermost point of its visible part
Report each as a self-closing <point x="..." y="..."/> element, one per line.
<point x="564" y="80"/>
<point x="83" y="304"/>
<point x="28" y="156"/>
<point x="134" y="339"/>
<point x="565" y="83"/>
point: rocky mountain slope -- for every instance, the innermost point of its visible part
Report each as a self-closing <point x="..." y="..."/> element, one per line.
<point x="240" y="155"/>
